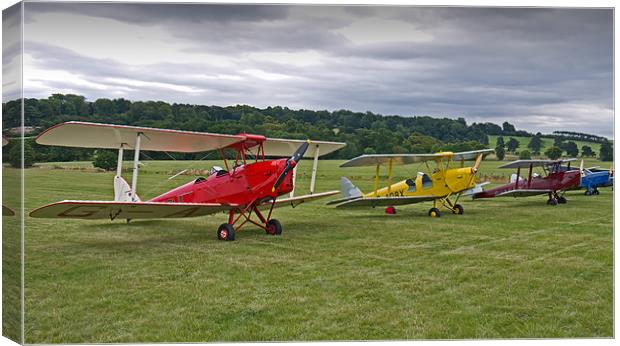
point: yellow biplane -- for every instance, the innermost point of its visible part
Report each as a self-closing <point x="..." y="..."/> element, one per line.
<point x="444" y="184"/>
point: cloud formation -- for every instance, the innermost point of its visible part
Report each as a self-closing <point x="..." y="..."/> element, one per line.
<point x="541" y="69"/>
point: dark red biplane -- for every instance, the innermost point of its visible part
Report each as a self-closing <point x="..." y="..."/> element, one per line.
<point x="555" y="181"/>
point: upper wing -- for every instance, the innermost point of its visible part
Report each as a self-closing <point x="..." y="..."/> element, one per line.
<point x="384" y="201"/>
<point x="405" y="159"/>
<point x="534" y="163"/>
<point x="107" y="136"/>
<point x="286" y="147"/>
<point x="126" y="210"/>
<point x="297" y="200"/>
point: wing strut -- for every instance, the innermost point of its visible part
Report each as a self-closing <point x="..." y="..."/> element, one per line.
<point x="389" y="187"/>
<point x="136" y="160"/>
<point x="377" y="179"/>
<point x="292" y="194"/>
<point x="314" y="168"/>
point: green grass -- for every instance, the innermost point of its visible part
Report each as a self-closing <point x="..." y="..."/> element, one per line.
<point x="507" y="268"/>
<point x="547" y="143"/>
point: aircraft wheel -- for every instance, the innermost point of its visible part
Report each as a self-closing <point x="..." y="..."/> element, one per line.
<point x="597" y="192"/>
<point x="458" y="209"/>
<point x="562" y="200"/>
<point x="434" y="212"/>
<point x="274" y="227"/>
<point x="390" y="210"/>
<point x="588" y="193"/>
<point x="552" y="201"/>
<point x="226" y="232"/>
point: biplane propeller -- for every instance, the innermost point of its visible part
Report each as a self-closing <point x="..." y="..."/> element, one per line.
<point x="251" y="184"/>
<point x="555" y="181"/>
<point x="443" y="185"/>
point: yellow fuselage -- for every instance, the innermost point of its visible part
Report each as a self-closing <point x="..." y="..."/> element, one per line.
<point x="441" y="183"/>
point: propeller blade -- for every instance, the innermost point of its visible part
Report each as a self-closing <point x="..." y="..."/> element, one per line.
<point x="581" y="168"/>
<point x="477" y="164"/>
<point x="291" y="163"/>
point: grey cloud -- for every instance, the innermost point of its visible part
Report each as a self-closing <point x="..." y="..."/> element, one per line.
<point x="528" y="66"/>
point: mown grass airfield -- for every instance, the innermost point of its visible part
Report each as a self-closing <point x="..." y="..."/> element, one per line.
<point x="506" y="268"/>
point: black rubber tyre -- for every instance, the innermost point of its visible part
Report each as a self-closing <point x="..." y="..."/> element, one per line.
<point x="434" y="212"/>
<point x="597" y="192"/>
<point x="588" y="193"/>
<point x="458" y="209"/>
<point x="562" y="200"/>
<point x="226" y="232"/>
<point x="552" y="201"/>
<point x="274" y="227"/>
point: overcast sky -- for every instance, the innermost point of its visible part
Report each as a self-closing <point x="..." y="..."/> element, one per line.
<point x="541" y="69"/>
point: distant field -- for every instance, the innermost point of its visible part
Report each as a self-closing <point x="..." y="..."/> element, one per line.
<point x="507" y="268"/>
<point x="547" y="142"/>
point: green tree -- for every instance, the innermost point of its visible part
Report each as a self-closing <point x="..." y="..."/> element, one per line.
<point x="15" y="155"/>
<point x="525" y="155"/>
<point x="500" y="153"/>
<point x="554" y="153"/>
<point x="500" y="142"/>
<point x="512" y="144"/>
<point x="535" y="144"/>
<point x="571" y="148"/>
<point x="508" y="128"/>
<point x="586" y="150"/>
<point x="370" y="151"/>
<point x="105" y="159"/>
<point x="607" y="151"/>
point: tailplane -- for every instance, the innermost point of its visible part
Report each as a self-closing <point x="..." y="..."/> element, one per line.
<point x="348" y="190"/>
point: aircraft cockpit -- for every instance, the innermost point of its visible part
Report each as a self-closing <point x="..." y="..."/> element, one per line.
<point x="218" y="171"/>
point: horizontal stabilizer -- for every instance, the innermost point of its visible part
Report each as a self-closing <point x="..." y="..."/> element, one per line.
<point x="476" y="189"/>
<point x="92" y="210"/>
<point x="297" y="200"/>
<point x="384" y="201"/>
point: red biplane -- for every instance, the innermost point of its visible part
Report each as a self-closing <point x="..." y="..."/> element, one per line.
<point x="554" y="183"/>
<point x="243" y="188"/>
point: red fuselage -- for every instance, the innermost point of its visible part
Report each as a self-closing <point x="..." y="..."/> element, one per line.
<point x="242" y="185"/>
<point x="556" y="181"/>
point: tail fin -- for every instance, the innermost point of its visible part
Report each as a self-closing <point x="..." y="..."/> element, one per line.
<point x="122" y="191"/>
<point x="348" y="189"/>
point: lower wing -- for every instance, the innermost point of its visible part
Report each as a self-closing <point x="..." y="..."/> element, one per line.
<point x="297" y="200"/>
<point x="92" y="210"/>
<point x="522" y="193"/>
<point x="384" y="201"/>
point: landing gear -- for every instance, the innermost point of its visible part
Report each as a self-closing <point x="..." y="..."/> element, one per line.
<point x="452" y="206"/>
<point x="273" y="227"/>
<point x="596" y="192"/>
<point x="458" y="209"/>
<point x="239" y="217"/>
<point x="552" y="201"/>
<point x="434" y="212"/>
<point x="561" y="200"/>
<point x="226" y="232"/>
<point x="391" y="210"/>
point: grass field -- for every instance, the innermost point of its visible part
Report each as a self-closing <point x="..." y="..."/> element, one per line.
<point x="507" y="268"/>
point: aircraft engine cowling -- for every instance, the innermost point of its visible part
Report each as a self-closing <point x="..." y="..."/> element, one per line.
<point x="459" y="179"/>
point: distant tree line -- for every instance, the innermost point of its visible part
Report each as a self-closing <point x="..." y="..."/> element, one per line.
<point x="579" y="136"/>
<point x="364" y="133"/>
